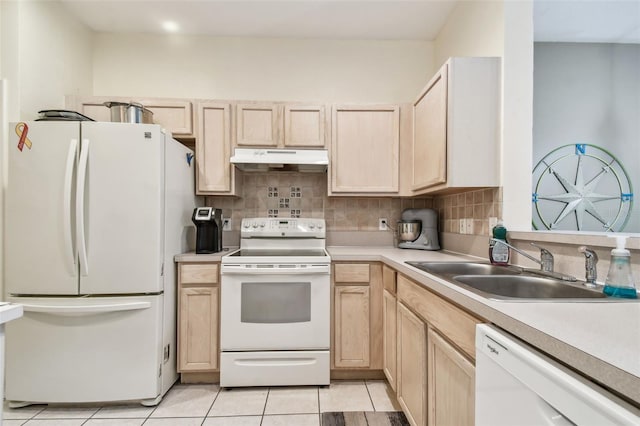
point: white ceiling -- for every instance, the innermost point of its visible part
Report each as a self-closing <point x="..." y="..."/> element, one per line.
<point x="332" y="19"/>
<point x="610" y="21"/>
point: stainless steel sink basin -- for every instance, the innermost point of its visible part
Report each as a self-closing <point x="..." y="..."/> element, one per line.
<point x="512" y="283"/>
<point x="465" y="268"/>
<point x="526" y="287"/>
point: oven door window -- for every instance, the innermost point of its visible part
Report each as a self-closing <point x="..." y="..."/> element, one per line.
<point x="275" y="302"/>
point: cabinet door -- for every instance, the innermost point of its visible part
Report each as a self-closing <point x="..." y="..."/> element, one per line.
<point x="430" y="133"/>
<point x="304" y="126"/>
<point x="175" y="116"/>
<point x="411" y="366"/>
<point x="389" y="279"/>
<point x="352" y="339"/>
<point x="214" y="172"/>
<point x="198" y="329"/>
<point x="451" y="386"/>
<point x="389" y="320"/>
<point x="258" y="125"/>
<point x="365" y="149"/>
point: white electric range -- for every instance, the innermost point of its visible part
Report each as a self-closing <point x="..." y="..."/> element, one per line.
<point x="275" y="305"/>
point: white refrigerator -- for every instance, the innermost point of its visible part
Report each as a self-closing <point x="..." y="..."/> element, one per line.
<point x="95" y="213"/>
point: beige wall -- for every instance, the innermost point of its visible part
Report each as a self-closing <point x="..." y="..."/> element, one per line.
<point x="474" y="28"/>
<point x="260" y="69"/>
<point x="48" y="56"/>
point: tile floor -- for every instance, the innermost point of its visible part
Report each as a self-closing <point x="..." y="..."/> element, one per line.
<point x="208" y="405"/>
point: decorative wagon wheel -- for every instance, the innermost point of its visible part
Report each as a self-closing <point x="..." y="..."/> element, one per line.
<point x="581" y="187"/>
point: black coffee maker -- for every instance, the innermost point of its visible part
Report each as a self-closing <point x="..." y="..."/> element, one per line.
<point x="208" y="229"/>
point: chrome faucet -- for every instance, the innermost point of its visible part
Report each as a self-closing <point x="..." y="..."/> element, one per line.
<point x="590" y="262"/>
<point x="546" y="258"/>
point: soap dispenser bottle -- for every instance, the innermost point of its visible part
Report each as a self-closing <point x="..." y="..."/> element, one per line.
<point x="498" y="252"/>
<point x="619" y="282"/>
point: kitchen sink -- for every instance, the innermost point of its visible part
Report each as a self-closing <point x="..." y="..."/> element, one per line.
<point x="526" y="287"/>
<point x="465" y="268"/>
<point x="512" y="283"/>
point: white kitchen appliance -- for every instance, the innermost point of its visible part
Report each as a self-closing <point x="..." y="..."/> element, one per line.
<point x="95" y="213"/>
<point x="279" y="159"/>
<point x="275" y="305"/>
<point x="517" y="385"/>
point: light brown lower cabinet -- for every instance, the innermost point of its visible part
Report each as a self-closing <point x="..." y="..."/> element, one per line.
<point x="198" y="312"/>
<point x="198" y="329"/>
<point x="352" y="342"/>
<point x="451" y="383"/>
<point x="412" y="366"/>
<point x="389" y="319"/>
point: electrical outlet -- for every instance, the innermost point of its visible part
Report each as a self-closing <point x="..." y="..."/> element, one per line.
<point x="463" y="226"/>
<point x="383" y="224"/>
<point x="226" y="224"/>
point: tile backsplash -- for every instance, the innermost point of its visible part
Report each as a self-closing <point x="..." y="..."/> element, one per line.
<point x="293" y="194"/>
<point x="469" y="212"/>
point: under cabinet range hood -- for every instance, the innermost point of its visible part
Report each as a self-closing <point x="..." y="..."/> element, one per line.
<point x="297" y="160"/>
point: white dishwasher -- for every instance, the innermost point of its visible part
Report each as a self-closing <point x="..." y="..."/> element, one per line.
<point x="517" y="385"/>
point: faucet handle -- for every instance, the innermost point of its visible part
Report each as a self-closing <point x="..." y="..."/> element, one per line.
<point x="590" y="261"/>
<point x="588" y="253"/>
<point x="546" y="258"/>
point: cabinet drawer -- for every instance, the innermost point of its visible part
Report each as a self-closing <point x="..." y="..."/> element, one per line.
<point x="454" y="323"/>
<point x="205" y="273"/>
<point x="352" y="273"/>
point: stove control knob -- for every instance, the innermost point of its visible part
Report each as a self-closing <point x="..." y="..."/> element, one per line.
<point x="312" y="226"/>
<point x="245" y="225"/>
<point x="319" y="226"/>
<point x="262" y="225"/>
<point x="254" y="225"/>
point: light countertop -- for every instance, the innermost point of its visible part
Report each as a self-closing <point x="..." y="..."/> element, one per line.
<point x="599" y="339"/>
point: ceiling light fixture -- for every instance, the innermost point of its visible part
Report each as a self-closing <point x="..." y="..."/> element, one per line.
<point x="170" y="26"/>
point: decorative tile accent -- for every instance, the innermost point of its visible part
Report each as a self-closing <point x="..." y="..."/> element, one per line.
<point x="284" y="203"/>
<point x="273" y="192"/>
<point x="294" y="192"/>
<point x="272" y="213"/>
<point x="295" y="213"/>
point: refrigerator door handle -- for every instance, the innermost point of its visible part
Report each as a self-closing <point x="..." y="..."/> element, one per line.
<point x="82" y="176"/>
<point x="66" y="207"/>
<point x="86" y="310"/>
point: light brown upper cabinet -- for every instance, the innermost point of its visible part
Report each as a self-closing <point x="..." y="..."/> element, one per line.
<point x="456" y="134"/>
<point x="430" y="133"/>
<point x="174" y="115"/>
<point x="304" y="126"/>
<point x="257" y="125"/>
<point x="364" y="150"/>
<point x="214" y="172"/>
<point x="280" y="125"/>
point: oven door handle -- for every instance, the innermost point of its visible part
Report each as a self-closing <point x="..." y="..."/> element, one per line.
<point x="240" y="270"/>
